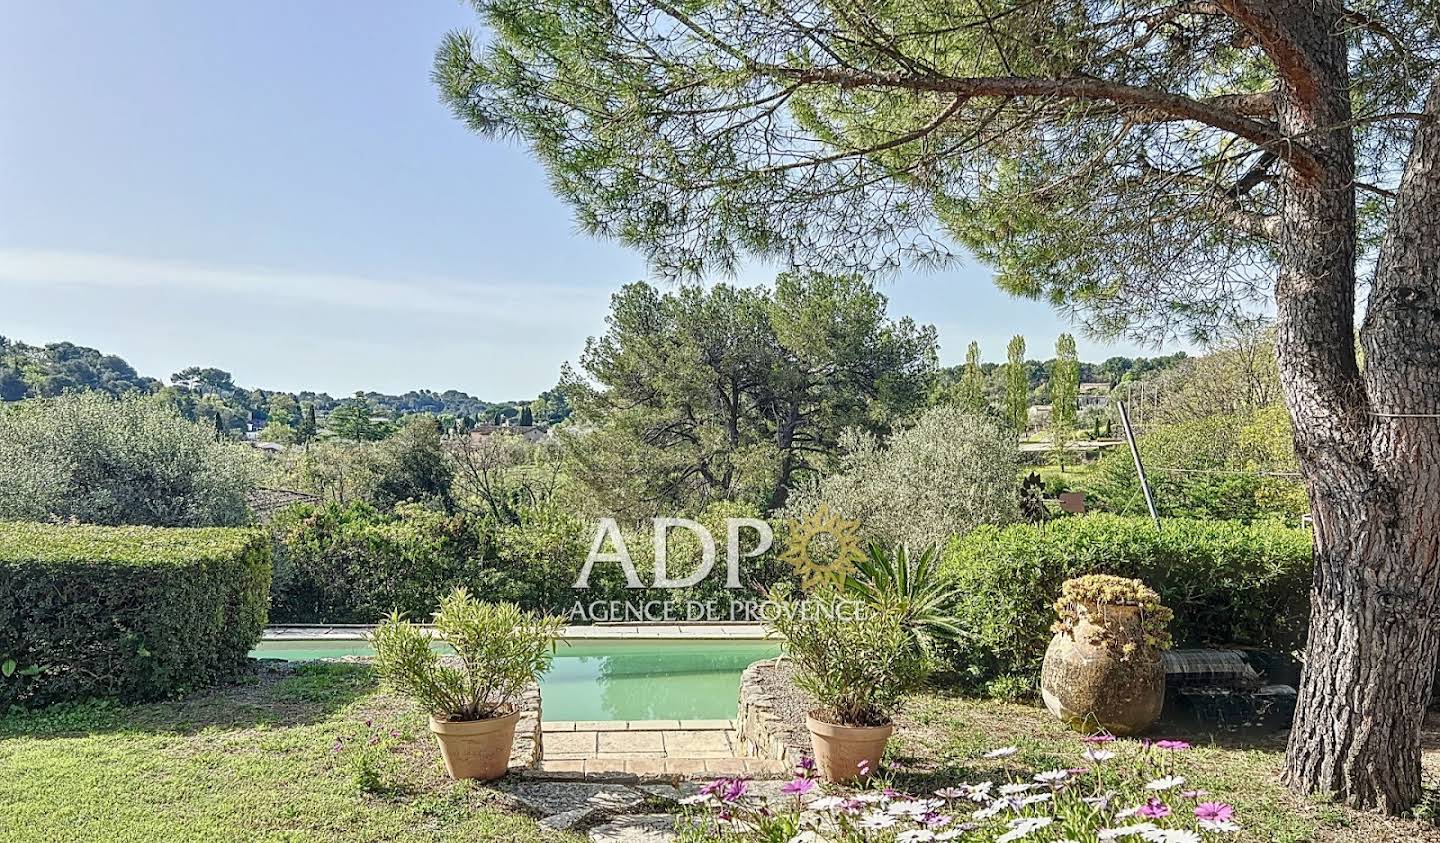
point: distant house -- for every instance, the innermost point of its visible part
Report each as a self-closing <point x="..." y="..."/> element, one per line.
<point x="532" y="432"/>
<point x="1094" y="396"/>
<point x="1038" y="415"/>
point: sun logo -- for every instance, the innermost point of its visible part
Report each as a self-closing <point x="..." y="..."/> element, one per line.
<point x="815" y="569"/>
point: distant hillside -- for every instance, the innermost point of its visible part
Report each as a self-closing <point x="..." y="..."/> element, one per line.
<point x="29" y="371"/>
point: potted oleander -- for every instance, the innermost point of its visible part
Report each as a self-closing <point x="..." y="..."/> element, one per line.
<point x="856" y="659"/>
<point x="499" y="650"/>
<point x="1103" y="669"/>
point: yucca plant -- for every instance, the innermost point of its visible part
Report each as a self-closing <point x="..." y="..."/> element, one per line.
<point x="910" y="588"/>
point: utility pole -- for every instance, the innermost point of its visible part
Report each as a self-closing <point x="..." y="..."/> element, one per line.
<point x="1139" y="465"/>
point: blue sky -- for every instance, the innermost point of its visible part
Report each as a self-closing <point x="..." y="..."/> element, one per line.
<point x="273" y="188"/>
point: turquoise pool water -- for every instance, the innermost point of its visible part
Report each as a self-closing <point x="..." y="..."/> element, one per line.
<point x="611" y="680"/>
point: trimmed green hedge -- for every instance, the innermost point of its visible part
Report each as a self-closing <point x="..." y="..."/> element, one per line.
<point x="134" y="613"/>
<point x="1228" y="583"/>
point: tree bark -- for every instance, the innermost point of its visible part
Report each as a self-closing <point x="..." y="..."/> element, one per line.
<point x="1370" y="455"/>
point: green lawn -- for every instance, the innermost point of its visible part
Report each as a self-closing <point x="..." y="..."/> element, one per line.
<point x="255" y="763"/>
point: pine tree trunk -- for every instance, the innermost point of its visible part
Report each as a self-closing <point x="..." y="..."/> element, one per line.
<point x="1370" y="456"/>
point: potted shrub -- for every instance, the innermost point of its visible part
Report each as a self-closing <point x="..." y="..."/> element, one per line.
<point x="1103" y="668"/>
<point x="499" y="650"/>
<point x="856" y="660"/>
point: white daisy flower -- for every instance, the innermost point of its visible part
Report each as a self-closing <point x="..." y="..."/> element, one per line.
<point x="1033" y="800"/>
<point x="1012" y="789"/>
<point x="876" y="820"/>
<point x="992" y="809"/>
<point x="1170" y="835"/>
<point x="950" y="793"/>
<point x="1097" y="755"/>
<point x="1002" y="752"/>
<point x="906" y="808"/>
<point x="979" y="792"/>
<point x="1022" y="828"/>
<point x="1166" y="783"/>
<point x="1124" y="831"/>
<point x="1219" y="826"/>
<point x="1052" y="776"/>
<point x="827" y="803"/>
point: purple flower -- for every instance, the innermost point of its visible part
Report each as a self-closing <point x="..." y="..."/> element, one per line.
<point x="1154" y="809"/>
<point x="1171" y="745"/>
<point x="798" y="787"/>
<point x="1214" y="811"/>
<point x="1097" y="739"/>
<point x="713" y="787"/>
<point x="737" y="789"/>
<point x="806" y="765"/>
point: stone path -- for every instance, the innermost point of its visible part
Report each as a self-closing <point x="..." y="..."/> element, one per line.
<point x="648" y="750"/>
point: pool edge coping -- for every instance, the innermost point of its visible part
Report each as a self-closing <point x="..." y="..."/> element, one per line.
<point x="599" y="632"/>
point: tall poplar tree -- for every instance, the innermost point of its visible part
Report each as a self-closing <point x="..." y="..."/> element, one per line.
<point x="1064" y="395"/>
<point x="1017" y="385"/>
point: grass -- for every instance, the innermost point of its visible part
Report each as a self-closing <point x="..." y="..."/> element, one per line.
<point x="256" y="762"/>
<point x="940" y="738"/>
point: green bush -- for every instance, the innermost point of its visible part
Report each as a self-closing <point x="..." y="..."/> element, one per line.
<point x="1233" y="467"/>
<point x="1228" y="583"/>
<point x="132" y="460"/>
<point x="354" y="564"/>
<point x="135" y="613"/>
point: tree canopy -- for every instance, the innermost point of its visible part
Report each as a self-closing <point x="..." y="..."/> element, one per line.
<point x="1119" y="157"/>
<point x="734" y="392"/>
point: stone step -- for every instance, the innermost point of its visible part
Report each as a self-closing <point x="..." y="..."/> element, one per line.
<point x="643" y="769"/>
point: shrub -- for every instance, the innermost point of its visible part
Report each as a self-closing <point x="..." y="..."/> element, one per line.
<point x="953" y="470"/>
<point x="855" y="660"/>
<point x="131" y="460"/>
<point x="499" y="650"/>
<point x="135" y="613"/>
<point x="354" y="564"/>
<point x="1227" y="583"/>
<point x="1234" y="467"/>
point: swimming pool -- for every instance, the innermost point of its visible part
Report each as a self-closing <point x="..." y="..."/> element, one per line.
<point x="611" y="679"/>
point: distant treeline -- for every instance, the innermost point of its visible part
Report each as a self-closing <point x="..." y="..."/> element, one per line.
<point x="30" y="371"/>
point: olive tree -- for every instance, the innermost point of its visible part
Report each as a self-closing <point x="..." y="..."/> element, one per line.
<point x="1152" y="167"/>
<point x="132" y="460"/>
<point x="951" y="471"/>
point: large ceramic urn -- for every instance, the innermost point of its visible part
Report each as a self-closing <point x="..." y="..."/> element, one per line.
<point x="1100" y="674"/>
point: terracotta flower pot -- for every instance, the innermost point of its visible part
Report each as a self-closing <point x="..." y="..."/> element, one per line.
<point x="840" y="749"/>
<point x="1091" y="684"/>
<point x="476" y="749"/>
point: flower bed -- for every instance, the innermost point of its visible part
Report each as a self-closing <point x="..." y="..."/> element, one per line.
<point x="1114" y="792"/>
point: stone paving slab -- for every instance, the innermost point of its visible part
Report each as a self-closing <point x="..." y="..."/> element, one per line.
<point x="630" y="742"/>
<point x="637" y="725"/>
<point x="656" y="770"/>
